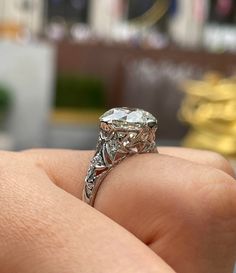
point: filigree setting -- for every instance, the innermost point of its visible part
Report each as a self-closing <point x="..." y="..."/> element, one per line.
<point x="123" y="132"/>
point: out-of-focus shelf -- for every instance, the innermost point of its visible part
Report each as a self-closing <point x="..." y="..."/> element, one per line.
<point x="68" y="116"/>
<point x="105" y="61"/>
<point x="73" y="129"/>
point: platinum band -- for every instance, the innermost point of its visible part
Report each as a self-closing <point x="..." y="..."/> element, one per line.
<point x="123" y="132"/>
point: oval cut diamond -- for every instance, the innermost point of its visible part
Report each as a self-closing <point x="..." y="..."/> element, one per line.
<point x="122" y="117"/>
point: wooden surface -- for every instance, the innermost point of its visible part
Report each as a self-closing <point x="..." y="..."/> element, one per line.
<point x="105" y="61"/>
<point x="108" y="62"/>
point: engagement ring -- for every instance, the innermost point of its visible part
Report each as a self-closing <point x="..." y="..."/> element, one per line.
<point x="123" y="132"/>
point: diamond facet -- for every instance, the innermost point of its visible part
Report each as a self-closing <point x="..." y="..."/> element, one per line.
<point x="128" y="117"/>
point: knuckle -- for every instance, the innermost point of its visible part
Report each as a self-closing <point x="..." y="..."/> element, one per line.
<point x="217" y="215"/>
<point x="220" y="162"/>
<point x="217" y="196"/>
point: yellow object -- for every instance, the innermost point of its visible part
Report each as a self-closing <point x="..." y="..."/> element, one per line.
<point x="210" y="109"/>
<point x="153" y="15"/>
<point x="10" y="31"/>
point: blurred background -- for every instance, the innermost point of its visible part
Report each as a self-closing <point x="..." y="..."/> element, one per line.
<point x="64" y="62"/>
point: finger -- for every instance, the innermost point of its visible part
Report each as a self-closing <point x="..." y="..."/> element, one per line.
<point x="167" y="201"/>
<point x="155" y="181"/>
<point x="68" y="168"/>
<point x="44" y="229"/>
<point x="200" y="156"/>
<point x="143" y="183"/>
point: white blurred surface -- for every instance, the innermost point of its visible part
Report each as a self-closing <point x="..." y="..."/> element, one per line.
<point x="25" y="13"/>
<point x="28" y="72"/>
<point x="73" y="136"/>
<point x="6" y="142"/>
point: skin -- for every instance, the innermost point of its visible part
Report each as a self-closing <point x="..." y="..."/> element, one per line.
<point x="165" y="213"/>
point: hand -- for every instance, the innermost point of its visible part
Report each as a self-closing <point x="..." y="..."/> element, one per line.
<point x="45" y="229"/>
<point x="181" y="203"/>
<point x="188" y="219"/>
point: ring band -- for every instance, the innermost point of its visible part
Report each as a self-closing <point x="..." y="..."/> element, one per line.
<point x="123" y="132"/>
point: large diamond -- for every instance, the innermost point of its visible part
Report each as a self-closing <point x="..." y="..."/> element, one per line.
<point x="128" y="117"/>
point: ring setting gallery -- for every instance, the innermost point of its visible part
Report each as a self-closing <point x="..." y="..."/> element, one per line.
<point x="123" y="132"/>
